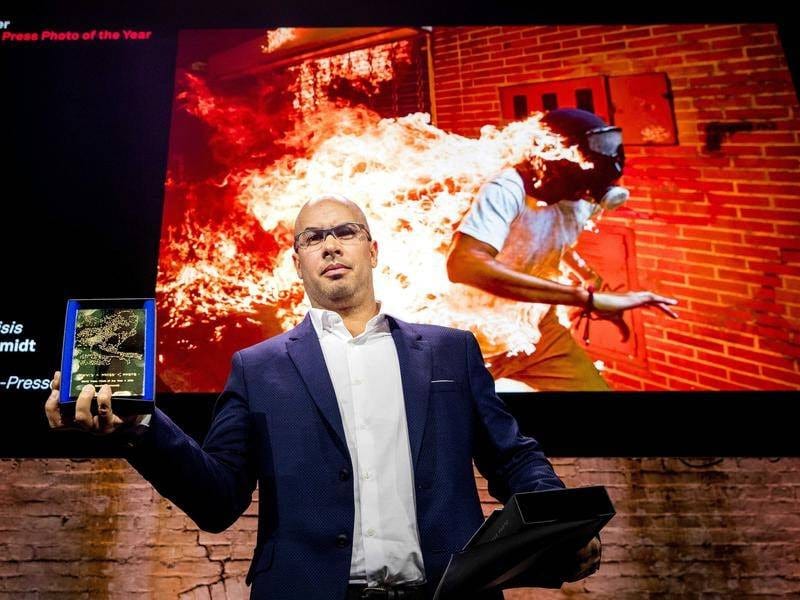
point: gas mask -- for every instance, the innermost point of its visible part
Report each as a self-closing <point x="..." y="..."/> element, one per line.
<point x="597" y="142"/>
<point x="614" y="197"/>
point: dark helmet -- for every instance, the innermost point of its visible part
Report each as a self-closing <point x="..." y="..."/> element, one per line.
<point x="597" y="141"/>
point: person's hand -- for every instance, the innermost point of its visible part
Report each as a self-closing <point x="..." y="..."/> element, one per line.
<point x="613" y="302"/>
<point x="588" y="559"/>
<point x="103" y="423"/>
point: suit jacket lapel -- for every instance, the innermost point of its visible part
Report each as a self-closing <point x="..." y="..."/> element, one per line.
<point x="414" y="356"/>
<point x="306" y="354"/>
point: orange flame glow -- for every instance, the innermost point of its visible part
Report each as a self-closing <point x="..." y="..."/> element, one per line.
<point x="364" y="69"/>
<point x="277" y="38"/>
<point x="414" y="181"/>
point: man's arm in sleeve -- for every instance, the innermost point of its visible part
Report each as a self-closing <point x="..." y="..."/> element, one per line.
<point x="482" y="234"/>
<point x="509" y="461"/>
<point x="472" y="261"/>
<point x="213" y="484"/>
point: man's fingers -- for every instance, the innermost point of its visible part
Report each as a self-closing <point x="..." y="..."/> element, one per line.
<point x="590" y="551"/>
<point x="104" y="414"/>
<point x="585" y="569"/>
<point x="666" y="310"/>
<point x="582" y="573"/>
<point x="589" y="564"/>
<point x="662" y="299"/>
<point x="589" y="558"/>
<point x="104" y="422"/>
<point x="83" y="407"/>
<point x="590" y="569"/>
<point x="661" y="303"/>
<point x="51" y="406"/>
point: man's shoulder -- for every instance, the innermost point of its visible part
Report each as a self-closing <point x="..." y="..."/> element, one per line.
<point x="505" y="191"/>
<point x="508" y="180"/>
<point x="435" y="332"/>
<point x="269" y="347"/>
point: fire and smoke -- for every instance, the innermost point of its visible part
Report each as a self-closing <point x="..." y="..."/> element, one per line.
<point x="276" y="38"/>
<point x="364" y="70"/>
<point x="225" y="259"/>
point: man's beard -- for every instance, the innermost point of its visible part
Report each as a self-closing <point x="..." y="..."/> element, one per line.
<point x="337" y="291"/>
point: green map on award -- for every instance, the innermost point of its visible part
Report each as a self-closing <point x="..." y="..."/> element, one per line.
<point x="110" y="341"/>
<point x="109" y="349"/>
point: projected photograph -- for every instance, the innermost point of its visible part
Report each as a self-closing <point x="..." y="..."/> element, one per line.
<point x="620" y="167"/>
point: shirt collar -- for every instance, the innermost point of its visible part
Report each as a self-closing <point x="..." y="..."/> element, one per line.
<point x="326" y="321"/>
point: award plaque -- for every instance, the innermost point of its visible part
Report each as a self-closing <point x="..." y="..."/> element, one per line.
<point x="110" y="341"/>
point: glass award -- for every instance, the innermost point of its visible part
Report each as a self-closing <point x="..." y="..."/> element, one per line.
<point x="110" y="342"/>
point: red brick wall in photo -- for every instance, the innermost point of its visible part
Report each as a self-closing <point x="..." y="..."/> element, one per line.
<point x="719" y="230"/>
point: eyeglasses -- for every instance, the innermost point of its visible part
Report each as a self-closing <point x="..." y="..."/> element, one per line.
<point x="344" y="232"/>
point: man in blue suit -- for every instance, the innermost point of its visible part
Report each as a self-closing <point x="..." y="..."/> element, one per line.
<point x="359" y="429"/>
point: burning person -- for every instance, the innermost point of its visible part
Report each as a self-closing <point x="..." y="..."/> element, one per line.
<point x="512" y="242"/>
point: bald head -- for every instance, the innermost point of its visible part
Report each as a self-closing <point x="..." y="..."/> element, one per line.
<point x="336" y="273"/>
<point x="314" y="209"/>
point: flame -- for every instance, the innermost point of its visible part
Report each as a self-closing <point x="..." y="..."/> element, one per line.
<point x="225" y="260"/>
<point x="257" y="125"/>
<point x="277" y="38"/>
<point x="414" y="181"/>
<point x="244" y="134"/>
<point x="363" y="69"/>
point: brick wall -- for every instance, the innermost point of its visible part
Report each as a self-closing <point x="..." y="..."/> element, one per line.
<point x="95" y="529"/>
<point x="718" y="230"/>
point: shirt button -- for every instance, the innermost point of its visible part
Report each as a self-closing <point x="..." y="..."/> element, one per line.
<point x="341" y="540"/>
<point x="367" y="474"/>
<point x="358" y="381"/>
<point x="344" y="474"/>
<point x="370" y="532"/>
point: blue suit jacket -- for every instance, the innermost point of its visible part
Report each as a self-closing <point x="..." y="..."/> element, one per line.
<point x="277" y="423"/>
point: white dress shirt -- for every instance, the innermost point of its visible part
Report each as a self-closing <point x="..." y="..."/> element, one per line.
<point x="365" y="373"/>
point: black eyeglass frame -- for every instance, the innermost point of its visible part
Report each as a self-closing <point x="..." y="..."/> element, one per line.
<point x="326" y="231"/>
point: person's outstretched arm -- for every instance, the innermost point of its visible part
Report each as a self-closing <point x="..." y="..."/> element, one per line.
<point x="214" y="483"/>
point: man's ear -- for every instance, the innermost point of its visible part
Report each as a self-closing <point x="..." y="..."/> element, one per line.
<point x="296" y="261"/>
<point x="373" y="252"/>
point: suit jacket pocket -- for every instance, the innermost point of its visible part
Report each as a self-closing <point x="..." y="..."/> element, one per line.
<point x="262" y="560"/>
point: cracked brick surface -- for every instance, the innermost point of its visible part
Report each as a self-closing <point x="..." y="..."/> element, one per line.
<point x="694" y="528"/>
